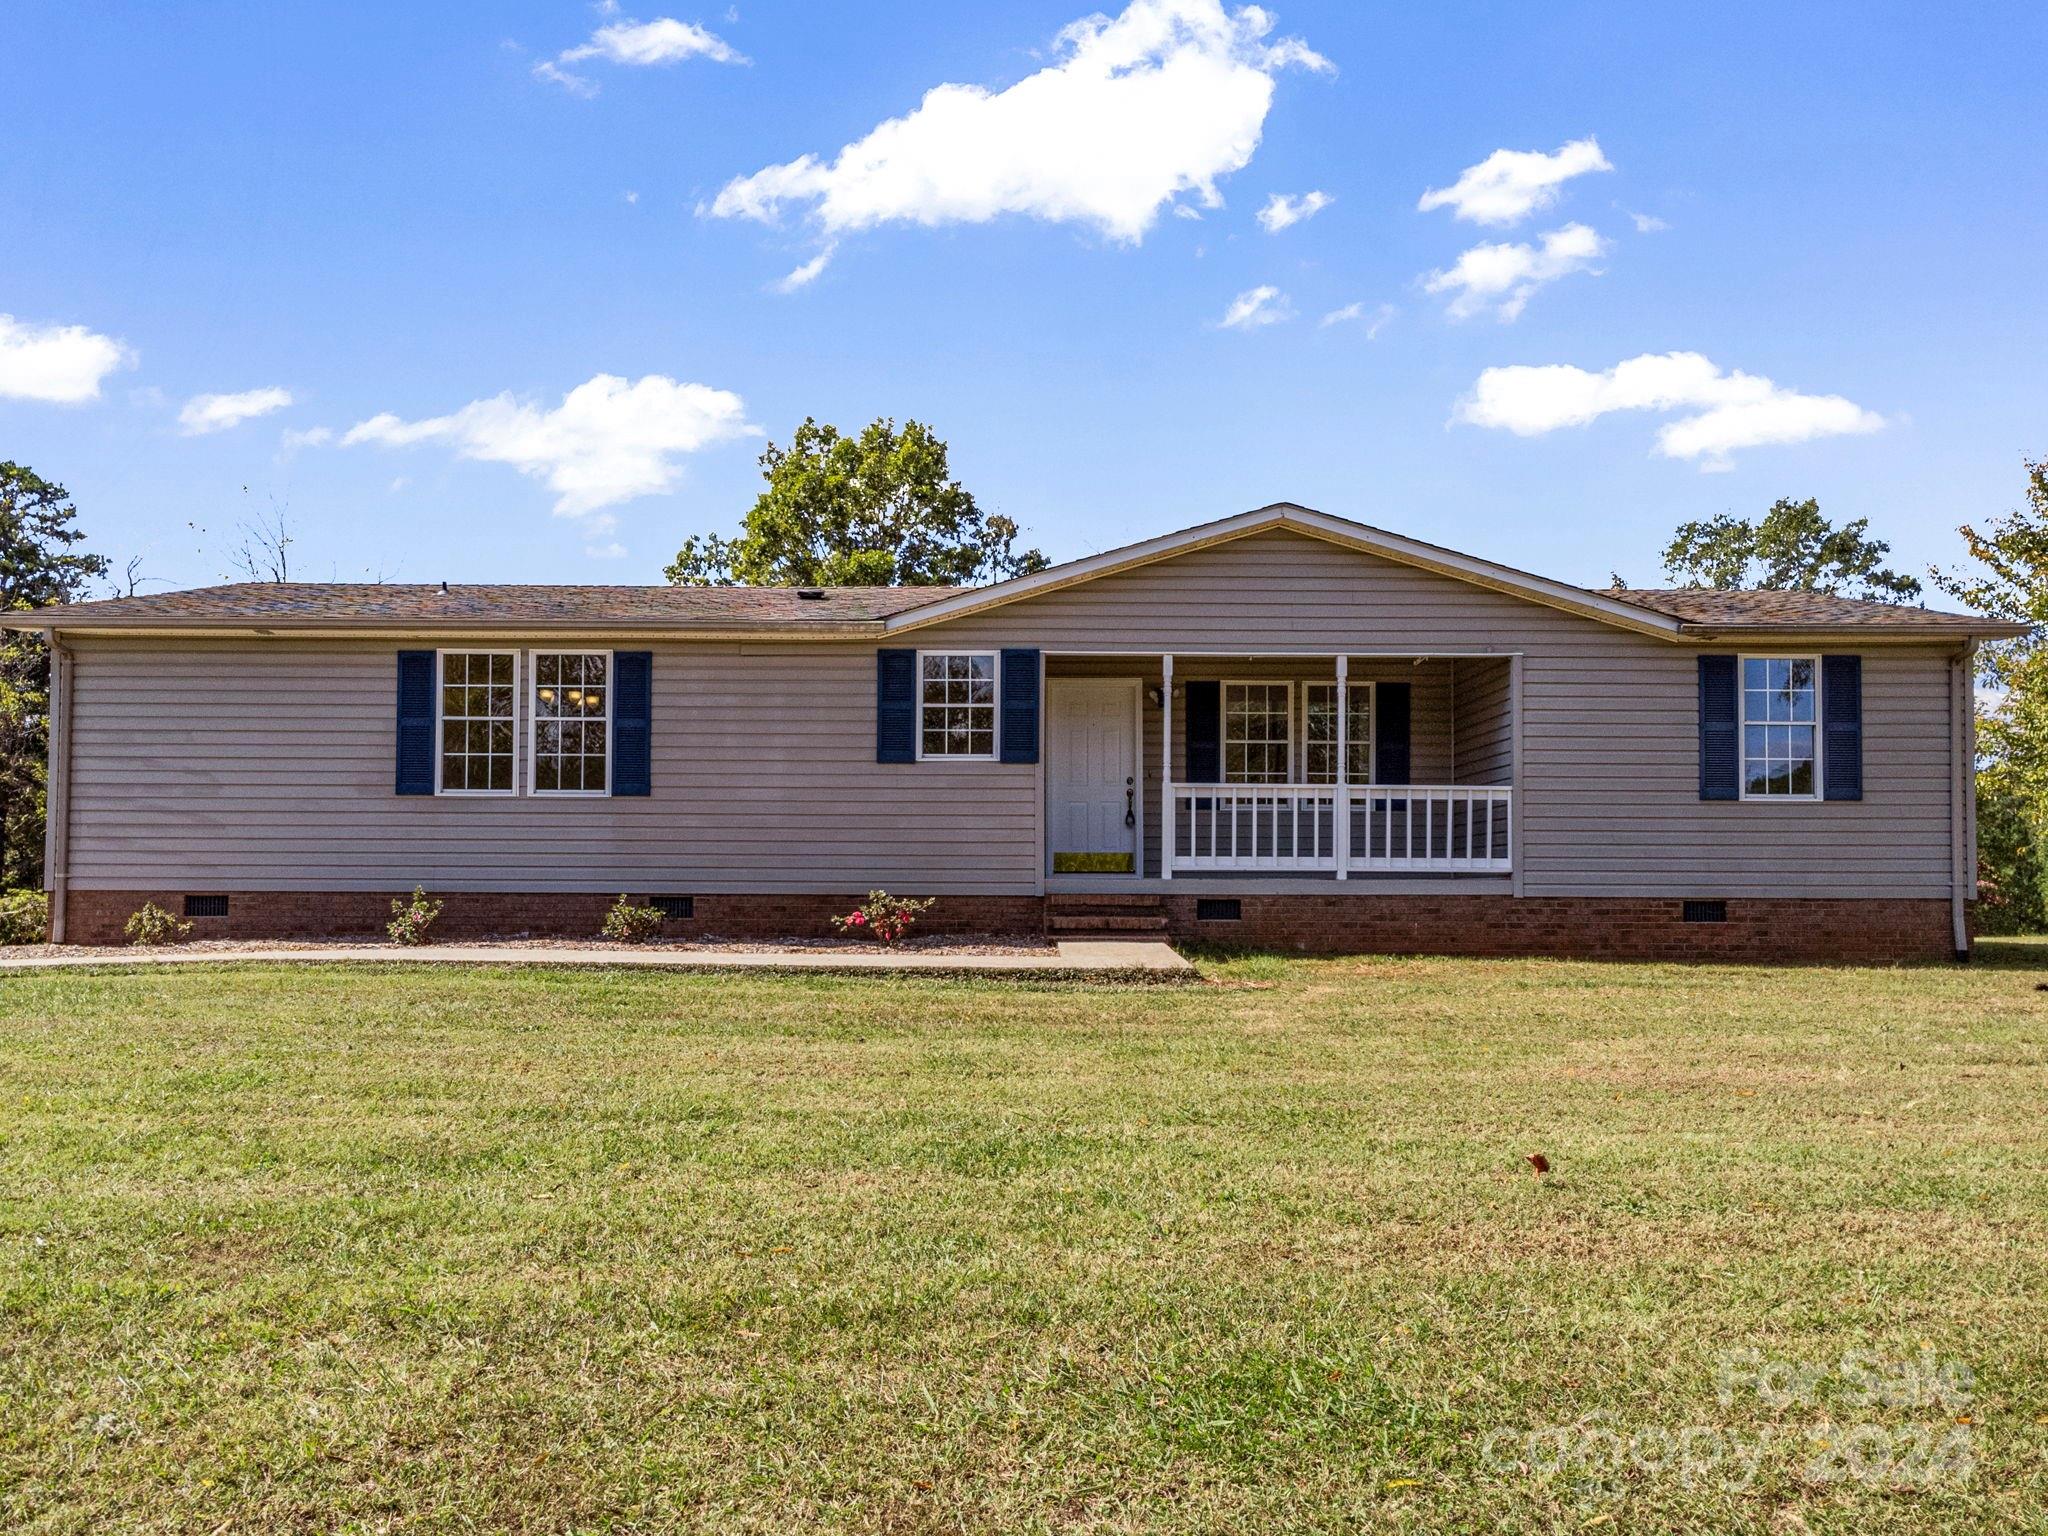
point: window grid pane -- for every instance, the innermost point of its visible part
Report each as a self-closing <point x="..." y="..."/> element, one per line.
<point x="571" y="710"/>
<point x="1256" y="733"/>
<point x="477" y="709"/>
<point x="1779" y="707"/>
<point x="957" y="705"/>
<point x="1319" y="734"/>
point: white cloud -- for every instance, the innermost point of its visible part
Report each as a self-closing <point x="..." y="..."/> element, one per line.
<point x="216" y="413"/>
<point x="1263" y="305"/>
<point x="1282" y="211"/>
<point x="1648" y="223"/>
<point x="1510" y="184"/>
<point x="631" y="196"/>
<point x="636" y="43"/>
<point x="61" y="364"/>
<point x="612" y="551"/>
<point x="313" y="437"/>
<point x="1374" y="320"/>
<point x="1135" y="112"/>
<point x="804" y="275"/>
<point x="1725" y="411"/>
<point x="608" y="441"/>
<point x="1502" y="277"/>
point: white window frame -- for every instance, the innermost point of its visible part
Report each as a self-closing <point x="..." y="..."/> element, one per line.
<point x="1295" y="728"/>
<point x="995" y="752"/>
<point x="1370" y="689"/>
<point x="533" y="724"/>
<point x="1742" y="728"/>
<point x="441" y="718"/>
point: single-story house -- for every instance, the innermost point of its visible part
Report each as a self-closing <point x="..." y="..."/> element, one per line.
<point x="1281" y="728"/>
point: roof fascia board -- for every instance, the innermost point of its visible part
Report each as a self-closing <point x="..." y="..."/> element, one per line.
<point x="493" y="631"/>
<point x="1852" y="634"/>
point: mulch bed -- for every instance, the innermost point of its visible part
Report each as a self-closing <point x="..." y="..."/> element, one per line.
<point x="703" y="946"/>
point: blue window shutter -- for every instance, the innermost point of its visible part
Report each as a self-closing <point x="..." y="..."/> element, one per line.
<point x="896" y="706"/>
<point x="1393" y="702"/>
<point x="1205" y="733"/>
<point x="632" y="722"/>
<point x="1020" y="706"/>
<point x="416" y="722"/>
<point x="1720" y="730"/>
<point x="1841" y="713"/>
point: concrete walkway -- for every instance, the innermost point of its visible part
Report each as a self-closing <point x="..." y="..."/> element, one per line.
<point x="1076" y="957"/>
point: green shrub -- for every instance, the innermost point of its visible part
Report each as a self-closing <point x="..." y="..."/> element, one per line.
<point x="153" y="925"/>
<point x="2012" y="877"/>
<point x="24" y="917"/>
<point x="628" y="924"/>
<point x="410" y="919"/>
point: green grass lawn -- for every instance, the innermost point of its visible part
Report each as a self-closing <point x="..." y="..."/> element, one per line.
<point x="411" y="1250"/>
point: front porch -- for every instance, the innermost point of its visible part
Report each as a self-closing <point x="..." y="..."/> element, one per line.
<point x="1242" y="771"/>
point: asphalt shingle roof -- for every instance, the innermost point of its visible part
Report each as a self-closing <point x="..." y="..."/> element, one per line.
<point x="428" y="604"/>
<point x="1788" y="610"/>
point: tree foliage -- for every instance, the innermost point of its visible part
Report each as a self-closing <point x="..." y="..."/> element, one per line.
<point x="38" y="565"/>
<point x="2011" y="582"/>
<point x="879" y="509"/>
<point x="1791" y="548"/>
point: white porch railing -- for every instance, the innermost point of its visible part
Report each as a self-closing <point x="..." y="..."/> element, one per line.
<point x="1378" y="829"/>
<point x="1255" y="826"/>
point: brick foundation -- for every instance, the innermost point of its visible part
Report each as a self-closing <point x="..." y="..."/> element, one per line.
<point x="1585" y="928"/>
<point x="1593" y="928"/>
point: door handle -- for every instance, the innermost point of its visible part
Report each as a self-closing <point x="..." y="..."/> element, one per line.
<point x="1130" y="802"/>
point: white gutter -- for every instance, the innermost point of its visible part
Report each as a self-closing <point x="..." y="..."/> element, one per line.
<point x="57" y="791"/>
<point x="1962" y="795"/>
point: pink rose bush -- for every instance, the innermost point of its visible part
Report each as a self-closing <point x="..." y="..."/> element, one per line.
<point x="882" y="917"/>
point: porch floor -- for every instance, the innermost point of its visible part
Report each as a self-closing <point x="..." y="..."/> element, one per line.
<point x="1230" y="883"/>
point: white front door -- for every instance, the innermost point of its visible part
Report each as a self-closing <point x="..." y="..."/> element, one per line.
<point x="1093" y="796"/>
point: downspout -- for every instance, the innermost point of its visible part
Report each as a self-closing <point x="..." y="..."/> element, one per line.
<point x="57" y="790"/>
<point x="1963" y="796"/>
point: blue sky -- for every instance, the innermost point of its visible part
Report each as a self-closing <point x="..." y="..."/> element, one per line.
<point x="428" y="225"/>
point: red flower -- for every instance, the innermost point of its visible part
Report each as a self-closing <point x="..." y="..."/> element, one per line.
<point x="858" y="918"/>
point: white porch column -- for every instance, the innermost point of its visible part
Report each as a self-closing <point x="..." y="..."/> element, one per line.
<point x="1342" y="808"/>
<point x="1166" y="809"/>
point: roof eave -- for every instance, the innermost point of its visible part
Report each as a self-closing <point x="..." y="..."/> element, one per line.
<point x="471" y="629"/>
<point x="1857" y="634"/>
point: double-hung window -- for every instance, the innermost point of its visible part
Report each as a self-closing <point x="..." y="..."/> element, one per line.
<point x="956" y="704"/>
<point x="1319" y="734"/>
<point x="1780" y="745"/>
<point x="1258" y="733"/>
<point x="571" y="722"/>
<point x="479" y="716"/>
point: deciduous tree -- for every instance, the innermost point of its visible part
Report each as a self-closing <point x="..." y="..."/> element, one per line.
<point x="1791" y="548"/>
<point x="2011" y="582"/>
<point x="38" y="565"/>
<point x="879" y="509"/>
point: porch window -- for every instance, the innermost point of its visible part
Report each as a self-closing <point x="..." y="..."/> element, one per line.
<point x="956" y="704"/>
<point x="1319" y="731"/>
<point x="479" y="703"/>
<point x="1258" y="733"/>
<point x="1779" y="750"/>
<point x="571" y="722"/>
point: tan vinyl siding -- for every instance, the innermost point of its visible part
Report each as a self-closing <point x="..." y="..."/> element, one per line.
<point x="259" y="766"/>
<point x="267" y="764"/>
<point x="1483" y="721"/>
